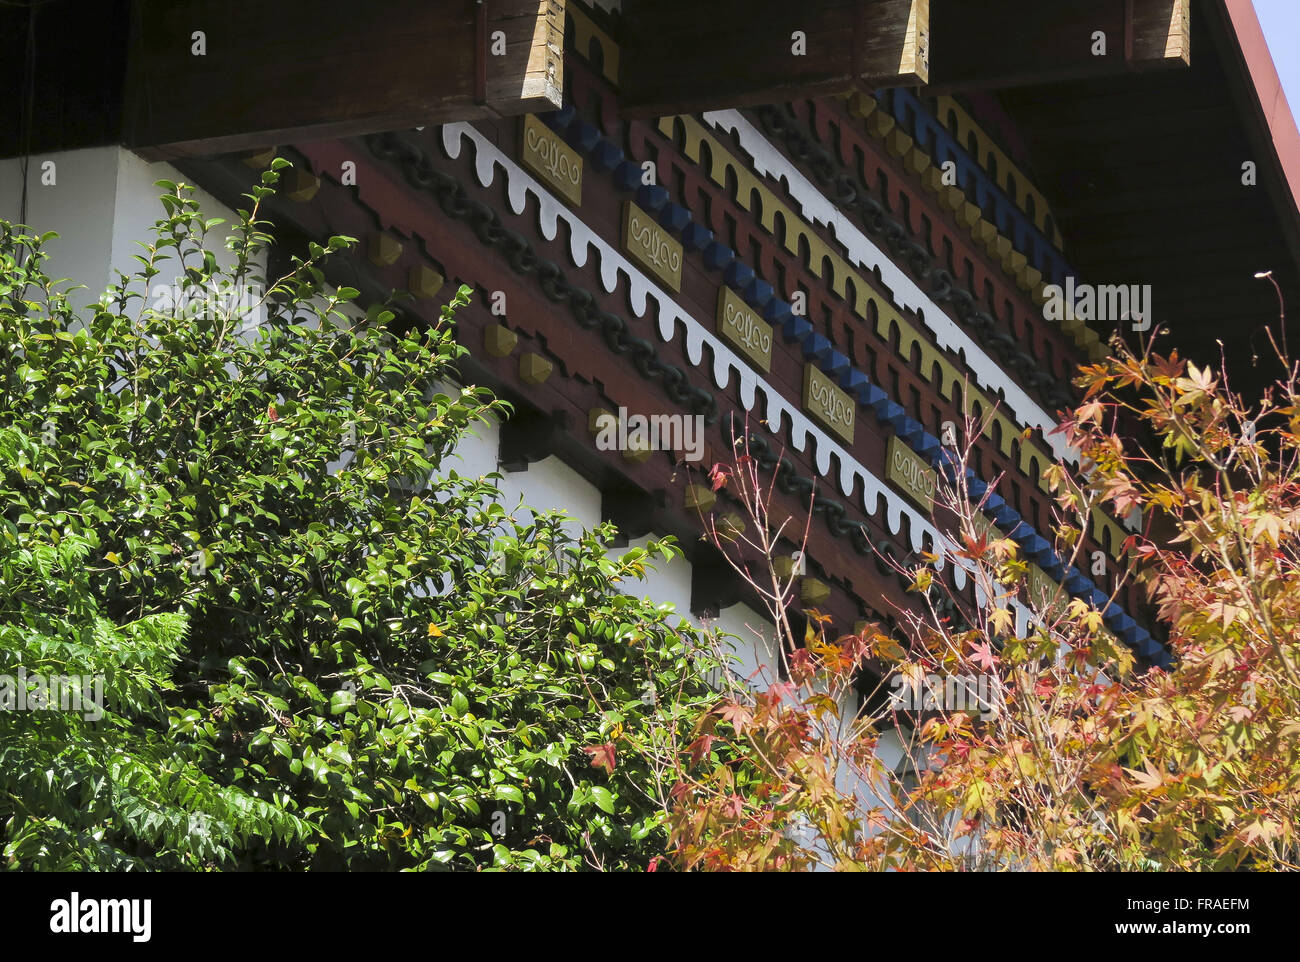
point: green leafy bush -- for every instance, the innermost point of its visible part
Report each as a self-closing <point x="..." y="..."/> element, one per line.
<point x="320" y="649"/>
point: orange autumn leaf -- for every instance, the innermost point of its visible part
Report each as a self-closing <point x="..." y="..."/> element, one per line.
<point x="602" y="756"/>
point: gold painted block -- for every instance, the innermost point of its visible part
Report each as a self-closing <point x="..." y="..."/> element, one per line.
<point x="651" y="246"/>
<point x="534" y="369"/>
<point x="383" y="250"/>
<point x="917" y="160"/>
<point x="424" y="281"/>
<point x="932" y="180"/>
<point x="861" y="105"/>
<point x="596" y="419"/>
<point x="880" y="123"/>
<point x="499" y="340"/>
<point x="740" y="326"/>
<point x="813" y="592"/>
<point x="828" y="403"/>
<point x="1029" y="278"/>
<point x="730" y="525"/>
<point x="999" y="246"/>
<point x="555" y="163"/>
<point x="898" y="143"/>
<point x="968" y="215"/>
<point x="904" y="468"/>
<point x="301" y="186"/>
<point x="260" y="160"/>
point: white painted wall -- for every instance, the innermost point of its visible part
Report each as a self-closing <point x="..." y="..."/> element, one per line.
<point x="102" y="200"/>
<point x="552" y="485"/>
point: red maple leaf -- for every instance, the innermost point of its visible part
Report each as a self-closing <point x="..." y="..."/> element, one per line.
<point x="734" y="806"/>
<point x="983" y="656"/>
<point x="718" y="477"/>
<point x="780" y="691"/>
<point x="801" y="663"/>
<point x="738" y="715"/>
<point x="602" y="756"/>
<point x="701" y="747"/>
<point x="679" y="791"/>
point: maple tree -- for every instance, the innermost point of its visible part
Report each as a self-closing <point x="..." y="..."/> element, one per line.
<point x="1077" y="756"/>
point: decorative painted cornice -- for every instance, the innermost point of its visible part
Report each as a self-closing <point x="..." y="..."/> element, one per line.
<point x="850" y="192"/>
<point x="979" y="185"/>
<point x="865" y="255"/>
<point x="990" y="156"/>
<point x="878" y="499"/>
<point x="1029" y="259"/>
<point x="815" y="347"/>
<point x="519" y="254"/>
<point x="751" y="191"/>
<point x="1011" y="237"/>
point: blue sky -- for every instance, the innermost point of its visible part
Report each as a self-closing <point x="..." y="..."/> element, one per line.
<point x="1281" y="22"/>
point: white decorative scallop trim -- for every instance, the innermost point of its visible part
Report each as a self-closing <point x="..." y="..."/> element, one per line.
<point x="777" y="408"/>
<point x="863" y="253"/>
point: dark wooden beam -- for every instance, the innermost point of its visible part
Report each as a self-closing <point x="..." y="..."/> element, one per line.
<point x="317" y="69"/>
<point x="1008" y="43"/>
<point x="715" y="585"/>
<point x="635" y="512"/>
<point x="529" y="436"/>
<point x="78" y="64"/>
<point x="682" y="56"/>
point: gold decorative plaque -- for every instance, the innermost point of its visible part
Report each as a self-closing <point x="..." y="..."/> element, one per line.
<point x="1041" y="589"/>
<point x="651" y="246"/>
<point x="824" y="400"/>
<point x="550" y="158"/>
<point x="904" y="468"/>
<point x="744" y="330"/>
<point x="984" y="526"/>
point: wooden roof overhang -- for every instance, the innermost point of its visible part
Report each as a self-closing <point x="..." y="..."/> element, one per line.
<point x="1149" y="187"/>
<point x="129" y="71"/>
